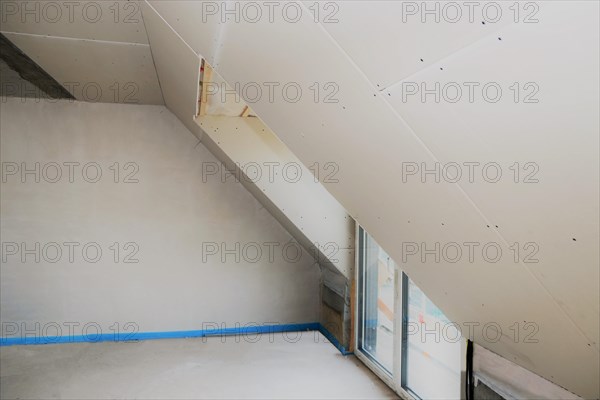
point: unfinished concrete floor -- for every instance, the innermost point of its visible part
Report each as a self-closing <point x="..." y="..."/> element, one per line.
<point x="257" y="367"/>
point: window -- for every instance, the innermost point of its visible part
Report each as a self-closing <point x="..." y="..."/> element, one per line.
<point x="401" y="335"/>
<point x="377" y="281"/>
<point x="431" y="347"/>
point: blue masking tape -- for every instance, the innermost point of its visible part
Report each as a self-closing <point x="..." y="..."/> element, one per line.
<point x="126" y="336"/>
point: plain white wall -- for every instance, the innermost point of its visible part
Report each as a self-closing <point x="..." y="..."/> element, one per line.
<point x="169" y="213"/>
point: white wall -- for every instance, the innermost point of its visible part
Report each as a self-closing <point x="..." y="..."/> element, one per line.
<point x="169" y="213"/>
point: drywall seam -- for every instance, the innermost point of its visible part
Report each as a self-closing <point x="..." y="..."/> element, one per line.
<point x="78" y="39"/>
<point x="175" y="91"/>
<point x="153" y="60"/>
<point x="170" y="27"/>
<point x="220" y="34"/>
<point x="431" y="154"/>
<point x="447" y="56"/>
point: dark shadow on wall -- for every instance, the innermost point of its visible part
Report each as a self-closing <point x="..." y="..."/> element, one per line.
<point x="20" y="76"/>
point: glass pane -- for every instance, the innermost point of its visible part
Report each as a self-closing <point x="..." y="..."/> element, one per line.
<point x="432" y="349"/>
<point x="377" y="333"/>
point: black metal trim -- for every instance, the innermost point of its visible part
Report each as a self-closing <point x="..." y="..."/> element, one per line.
<point x="404" y="359"/>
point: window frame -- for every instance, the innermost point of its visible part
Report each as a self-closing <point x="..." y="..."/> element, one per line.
<point x="397" y="379"/>
<point x="391" y="379"/>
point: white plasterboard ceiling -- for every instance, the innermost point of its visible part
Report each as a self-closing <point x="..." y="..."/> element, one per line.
<point x="94" y="71"/>
<point x="369" y="134"/>
<point x="396" y="43"/>
<point x="201" y="32"/>
<point x="177" y="66"/>
<point x="557" y="135"/>
<point x="97" y="50"/>
<point x="111" y="21"/>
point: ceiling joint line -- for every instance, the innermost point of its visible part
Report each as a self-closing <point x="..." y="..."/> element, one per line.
<point x="76" y="39"/>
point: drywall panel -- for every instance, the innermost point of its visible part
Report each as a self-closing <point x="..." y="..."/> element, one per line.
<point x="405" y="36"/>
<point x="369" y="142"/>
<point x="512" y="381"/>
<point x="158" y="205"/>
<point x="264" y="161"/>
<point x="199" y="23"/>
<point x="94" y="71"/>
<point x="177" y="66"/>
<point x="114" y="21"/>
<point x="550" y="198"/>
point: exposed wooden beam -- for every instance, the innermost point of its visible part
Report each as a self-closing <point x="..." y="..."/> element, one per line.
<point x="246" y="112"/>
<point x="206" y="79"/>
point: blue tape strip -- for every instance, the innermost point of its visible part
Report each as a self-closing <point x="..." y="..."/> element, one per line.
<point x="334" y="341"/>
<point x="125" y="337"/>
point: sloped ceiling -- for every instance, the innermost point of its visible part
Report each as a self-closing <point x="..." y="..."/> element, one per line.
<point x="97" y="50"/>
<point x="373" y="56"/>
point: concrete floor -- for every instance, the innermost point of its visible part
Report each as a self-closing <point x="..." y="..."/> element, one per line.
<point x="228" y="367"/>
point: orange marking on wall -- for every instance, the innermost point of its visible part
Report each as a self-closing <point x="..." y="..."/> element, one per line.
<point x="385" y="309"/>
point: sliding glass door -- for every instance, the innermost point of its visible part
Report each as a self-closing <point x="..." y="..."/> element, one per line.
<point x="376" y="304"/>
<point x="431" y="347"/>
<point x="401" y="335"/>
